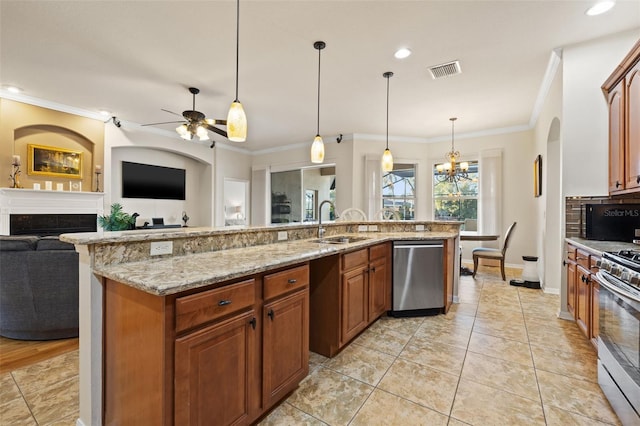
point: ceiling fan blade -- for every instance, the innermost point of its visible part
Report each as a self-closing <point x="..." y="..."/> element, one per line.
<point x="212" y="121"/>
<point x="164" y="122"/>
<point x="170" y="112"/>
<point x="215" y="129"/>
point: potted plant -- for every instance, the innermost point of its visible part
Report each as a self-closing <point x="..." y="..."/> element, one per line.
<point x="117" y="220"/>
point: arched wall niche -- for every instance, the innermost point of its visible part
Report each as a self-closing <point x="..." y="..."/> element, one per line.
<point x="55" y="137"/>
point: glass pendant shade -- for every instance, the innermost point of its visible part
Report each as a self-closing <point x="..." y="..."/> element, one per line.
<point x="317" y="150"/>
<point x="387" y="161"/>
<point x="202" y="133"/>
<point x="236" y="123"/>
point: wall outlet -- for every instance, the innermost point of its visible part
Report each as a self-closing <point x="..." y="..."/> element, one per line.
<point x="161" y="247"/>
<point x="419" y="227"/>
<point x="373" y="228"/>
<point x="282" y="235"/>
<point x="362" y="228"/>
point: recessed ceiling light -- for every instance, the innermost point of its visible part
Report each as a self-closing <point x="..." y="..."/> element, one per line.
<point x="14" y="89"/>
<point x="402" y="53"/>
<point x="600" y="7"/>
<point x="105" y="113"/>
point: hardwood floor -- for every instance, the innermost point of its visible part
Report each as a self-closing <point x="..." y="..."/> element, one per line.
<point x="15" y="354"/>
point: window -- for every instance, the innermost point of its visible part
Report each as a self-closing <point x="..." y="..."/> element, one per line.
<point x="457" y="200"/>
<point x="399" y="191"/>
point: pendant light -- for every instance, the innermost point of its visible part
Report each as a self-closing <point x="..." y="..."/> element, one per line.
<point x="317" y="148"/>
<point x="237" y="119"/>
<point x="387" y="158"/>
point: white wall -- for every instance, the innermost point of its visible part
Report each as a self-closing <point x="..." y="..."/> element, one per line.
<point x="585" y="119"/>
<point x="229" y="163"/>
<point x="134" y="145"/>
<point x="549" y="207"/>
<point x="350" y="155"/>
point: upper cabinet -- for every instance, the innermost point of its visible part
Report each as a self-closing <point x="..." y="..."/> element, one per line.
<point x="622" y="91"/>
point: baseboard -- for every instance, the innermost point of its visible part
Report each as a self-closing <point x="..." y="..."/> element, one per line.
<point x="551" y="290"/>
<point x="456" y="299"/>
<point x="565" y="315"/>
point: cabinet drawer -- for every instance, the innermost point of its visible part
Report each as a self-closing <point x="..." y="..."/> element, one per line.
<point x="285" y="281"/>
<point x="377" y="252"/>
<point x="571" y="253"/>
<point x="582" y="258"/>
<point x="202" y="307"/>
<point x="355" y="259"/>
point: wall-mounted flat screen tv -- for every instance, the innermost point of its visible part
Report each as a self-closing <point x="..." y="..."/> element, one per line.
<point x="149" y="181"/>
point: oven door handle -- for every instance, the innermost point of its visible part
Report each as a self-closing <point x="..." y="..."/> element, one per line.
<point x="602" y="278"/>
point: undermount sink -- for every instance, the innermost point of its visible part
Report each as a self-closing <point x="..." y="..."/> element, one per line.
<point x="340" y="239"/>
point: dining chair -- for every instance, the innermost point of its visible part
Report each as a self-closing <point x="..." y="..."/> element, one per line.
<point x="491" y="253"/>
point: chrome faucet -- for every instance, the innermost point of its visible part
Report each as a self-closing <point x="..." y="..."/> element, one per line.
<point x="320" y="228"/>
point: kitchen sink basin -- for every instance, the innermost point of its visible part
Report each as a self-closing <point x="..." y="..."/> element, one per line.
<point x="340" y="239"/>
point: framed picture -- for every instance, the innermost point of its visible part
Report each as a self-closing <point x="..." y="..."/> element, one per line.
<point x="537" y="176"/>
<point x="52" y="161"/>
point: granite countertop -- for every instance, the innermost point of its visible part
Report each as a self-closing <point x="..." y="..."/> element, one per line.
<point x="601" y="246"/>
<point x="170" y="275"/>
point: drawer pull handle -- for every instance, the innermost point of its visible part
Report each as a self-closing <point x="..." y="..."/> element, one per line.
<point x="618" y="184"/>
<point x="292" y="281"/>
<point x="271" y="314"/>
<point x="224" y="302"/>
<point x="253" y="322"/>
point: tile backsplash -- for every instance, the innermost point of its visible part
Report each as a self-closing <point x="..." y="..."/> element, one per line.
<point x="575" y="221"/>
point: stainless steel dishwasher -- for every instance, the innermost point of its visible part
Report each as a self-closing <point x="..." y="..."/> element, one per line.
<point x="418" y="278"/>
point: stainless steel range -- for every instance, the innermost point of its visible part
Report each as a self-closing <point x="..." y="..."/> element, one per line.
<point x="619" y="340"/>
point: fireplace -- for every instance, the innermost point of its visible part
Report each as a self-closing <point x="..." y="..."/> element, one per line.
<point x="34" y="212"/>
<point x="51" y="224"/>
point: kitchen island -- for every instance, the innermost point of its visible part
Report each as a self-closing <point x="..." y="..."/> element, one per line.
<point x="157" y="330"/>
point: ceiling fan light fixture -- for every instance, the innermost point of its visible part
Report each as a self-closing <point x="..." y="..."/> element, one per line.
<point x="236" y="123"/>
<point x="202" y="133"/>
<point x="182" y="130"/>
<point x="317" y="150"/>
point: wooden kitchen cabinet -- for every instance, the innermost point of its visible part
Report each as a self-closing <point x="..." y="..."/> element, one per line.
<point x="570" y="262"/>
<point x="632" y="119"/>
<point x="285" y="340"/>
<point x="583" y="295"/>
<point x="214" y="372"/>
<point x="616" y="139"/>
<point x="622" y="92"/>
<point x="348" y="293"/>
<point x="223" y="355"/>
<point x="583" y="291"/>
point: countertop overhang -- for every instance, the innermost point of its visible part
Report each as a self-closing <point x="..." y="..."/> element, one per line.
<point x="600" y="247"/>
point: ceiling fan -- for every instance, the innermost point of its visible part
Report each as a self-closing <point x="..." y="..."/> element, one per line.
<point x="195" y="123"/>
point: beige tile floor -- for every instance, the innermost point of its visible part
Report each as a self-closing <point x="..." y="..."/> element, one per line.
<point x="500" y="357"/>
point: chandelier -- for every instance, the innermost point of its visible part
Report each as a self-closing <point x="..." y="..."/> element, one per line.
<point x="452" y="171"/>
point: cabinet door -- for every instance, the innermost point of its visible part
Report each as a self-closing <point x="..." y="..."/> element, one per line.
<point x="379" y="288"/>
<point x="595" y="311"/>
<point x="616" y="138"/>
<point x="571" y="288"/>
<point x="214" y="372"/>
<point x="632" y="151"/>
<point x="583" y="290"/>
<point x="353" y="310"/>
<point x="285" y="345"/>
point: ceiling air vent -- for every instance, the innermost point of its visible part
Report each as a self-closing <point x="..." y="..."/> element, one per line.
<point x="445" y="70"/>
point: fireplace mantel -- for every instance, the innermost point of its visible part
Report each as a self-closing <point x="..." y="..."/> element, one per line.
<point x="29" y="201"/>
